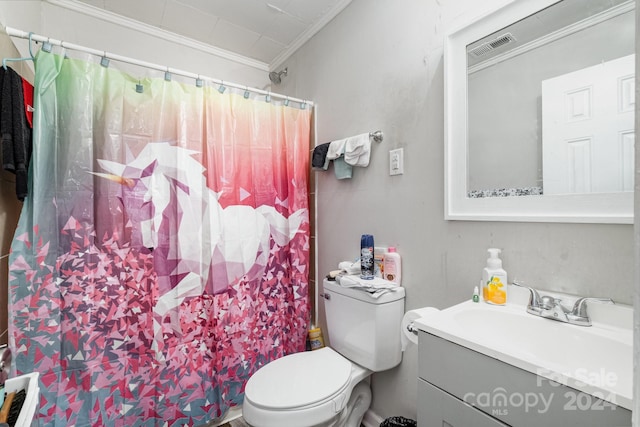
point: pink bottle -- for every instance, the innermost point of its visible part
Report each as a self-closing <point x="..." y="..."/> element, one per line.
<point x="392" y="266"/>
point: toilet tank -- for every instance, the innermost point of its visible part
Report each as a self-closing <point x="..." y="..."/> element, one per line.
<point x="364" y="329"/>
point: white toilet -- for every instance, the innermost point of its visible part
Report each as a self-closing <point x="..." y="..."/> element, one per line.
<point x="330" y="386"/>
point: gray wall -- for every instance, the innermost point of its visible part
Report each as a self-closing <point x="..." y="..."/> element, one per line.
<point x="379" y="65"/>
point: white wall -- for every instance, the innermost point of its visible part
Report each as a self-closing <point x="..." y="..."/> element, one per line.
<point x="379" y="65"/>
<point x="70" y="26"/>
<point x="21" y="14"/>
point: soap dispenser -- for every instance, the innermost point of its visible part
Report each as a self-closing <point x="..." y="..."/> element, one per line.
<point x="494" y="279"/>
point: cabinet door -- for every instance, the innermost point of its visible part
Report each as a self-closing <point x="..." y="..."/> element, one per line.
<point x="437" y="408"/>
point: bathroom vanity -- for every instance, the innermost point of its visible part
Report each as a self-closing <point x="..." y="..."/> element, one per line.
<point x="483" y="365"/>
<point x="463" y="388"/>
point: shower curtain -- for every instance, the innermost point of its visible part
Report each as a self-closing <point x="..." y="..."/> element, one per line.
<point x="162" y="253"/>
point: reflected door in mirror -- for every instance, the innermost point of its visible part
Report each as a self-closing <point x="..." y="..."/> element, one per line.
<point x="588" y="129"/>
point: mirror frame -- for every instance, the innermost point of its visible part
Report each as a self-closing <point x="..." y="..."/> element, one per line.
<point x="614" y="208"/>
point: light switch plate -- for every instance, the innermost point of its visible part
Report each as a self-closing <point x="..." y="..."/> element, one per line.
<point x="396" y="161"/>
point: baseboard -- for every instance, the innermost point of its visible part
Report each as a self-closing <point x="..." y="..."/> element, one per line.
<point x="371" y="419"/>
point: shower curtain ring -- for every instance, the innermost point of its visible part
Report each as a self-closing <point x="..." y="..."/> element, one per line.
<point x="198" y="81"/>
<point x="222" y="87"/>
<point x="47" y="46"/>
<point x="64" y="49"/>
<point x="104" y="61"/>
<point x="246" y="93"/>
<point x="167" y="75"/>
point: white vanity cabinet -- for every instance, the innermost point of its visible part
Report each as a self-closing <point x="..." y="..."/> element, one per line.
<point x="460" y="387"/>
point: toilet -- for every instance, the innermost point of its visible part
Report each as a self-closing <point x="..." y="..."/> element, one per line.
<point x="330" y="387"/>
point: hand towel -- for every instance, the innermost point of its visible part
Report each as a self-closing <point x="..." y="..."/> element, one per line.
<point x="350" y="267"/>
<point x="342" y="169"/>
<point x="354" y="281"/>
<point x="336" y="149"/>
<point x="319" y="157"/>
<point x="357" y="150"/>
<point x="375" y="287"/>
<point x="336" y="153"/>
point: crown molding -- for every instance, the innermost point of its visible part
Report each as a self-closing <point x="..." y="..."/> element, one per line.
<point x="310" y="32"/>
<point x="122" y="21"/>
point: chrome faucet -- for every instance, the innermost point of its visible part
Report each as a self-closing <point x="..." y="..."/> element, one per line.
<point x="579" y="315"/>
<point x="551" y="308"/>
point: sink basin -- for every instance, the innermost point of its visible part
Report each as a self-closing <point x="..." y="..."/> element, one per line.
<point x="597" y="360"/>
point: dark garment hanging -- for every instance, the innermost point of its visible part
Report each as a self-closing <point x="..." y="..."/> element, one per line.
<point x="15" y="132"/>
<point x="319" y="156"/>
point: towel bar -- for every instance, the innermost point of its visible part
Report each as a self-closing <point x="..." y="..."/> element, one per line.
<point x="377" y="135"/>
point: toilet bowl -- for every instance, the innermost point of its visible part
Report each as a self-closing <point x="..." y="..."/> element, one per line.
<point x="307" y="389"/>
<point x="330" y="387"/>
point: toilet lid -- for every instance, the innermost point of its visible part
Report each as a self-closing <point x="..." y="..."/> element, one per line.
<point x="299" y="379"/>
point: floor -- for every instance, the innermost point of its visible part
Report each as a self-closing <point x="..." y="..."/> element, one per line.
<point x="238" y="422"/>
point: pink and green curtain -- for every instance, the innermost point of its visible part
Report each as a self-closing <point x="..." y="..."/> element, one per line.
<point x="162" y="253"/>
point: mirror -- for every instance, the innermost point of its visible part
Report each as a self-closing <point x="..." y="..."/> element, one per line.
<point x="540" y="113"/>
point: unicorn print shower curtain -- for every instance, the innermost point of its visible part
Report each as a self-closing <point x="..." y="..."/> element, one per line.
<point x="162" y="253"/>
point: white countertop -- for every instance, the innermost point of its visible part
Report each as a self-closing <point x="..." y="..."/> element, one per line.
<point x="597" y="360"/>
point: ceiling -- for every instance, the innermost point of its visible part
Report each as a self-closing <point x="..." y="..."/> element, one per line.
<point x="558" y="18"/>
<point x="267" y="31"/>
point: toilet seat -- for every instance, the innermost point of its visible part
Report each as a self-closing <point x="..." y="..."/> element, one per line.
<point x="302" y="389"/>
<point x="299" y="380"/>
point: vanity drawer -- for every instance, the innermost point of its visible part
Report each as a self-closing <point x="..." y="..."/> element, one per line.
<point x="510" y="394"/>
<point x="437" y="408"/>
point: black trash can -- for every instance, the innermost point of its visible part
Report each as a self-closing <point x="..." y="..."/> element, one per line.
<point x="398" y="422"/>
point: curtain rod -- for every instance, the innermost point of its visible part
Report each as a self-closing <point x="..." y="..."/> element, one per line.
<point x="13" y="32"/>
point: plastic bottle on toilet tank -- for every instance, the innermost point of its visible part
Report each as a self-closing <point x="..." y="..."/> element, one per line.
<point x="494" y="279"/>
<point x="392" y="266"/>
